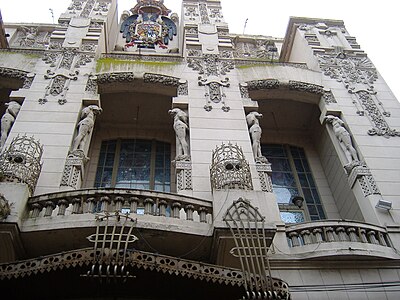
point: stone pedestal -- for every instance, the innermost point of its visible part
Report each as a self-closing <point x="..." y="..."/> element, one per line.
<point x="74" y="169"/>
<point x="183" y="173"/>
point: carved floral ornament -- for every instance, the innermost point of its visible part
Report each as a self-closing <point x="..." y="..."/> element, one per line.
<point x="126" y="77"/>
<point x="358" y="74"/>
<point x="269" y="84"/>
<point x="25" y="77"/>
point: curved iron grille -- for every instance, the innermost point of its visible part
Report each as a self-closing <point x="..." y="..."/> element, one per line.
<point x="247" y="228"/>
<point x="229" y="169"/>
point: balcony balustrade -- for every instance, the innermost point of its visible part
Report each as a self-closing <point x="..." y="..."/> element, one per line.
<point x="124" y="201"/>
<point x="336" y="231"/>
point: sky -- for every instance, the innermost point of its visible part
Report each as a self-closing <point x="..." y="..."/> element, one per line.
<point x="373" y="23"/>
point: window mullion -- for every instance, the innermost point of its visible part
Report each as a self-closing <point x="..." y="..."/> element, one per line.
<point x="153" y="164"/>
<point x="297" y="180"/>
<point x="116" y="163"/>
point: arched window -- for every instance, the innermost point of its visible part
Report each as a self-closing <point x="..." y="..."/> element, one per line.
<point x="291" y="176"/>
<point x="135" y="164"/>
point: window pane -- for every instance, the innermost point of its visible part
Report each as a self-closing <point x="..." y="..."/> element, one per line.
<point x="292" y="216"/>
<point x="284" y="195"/>
<point x="134" y="165"/>
<point x="299" y="165"/>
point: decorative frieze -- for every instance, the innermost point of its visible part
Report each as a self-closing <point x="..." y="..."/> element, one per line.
<point x="161" y="79"/>
<point x="12" y="73"/>
<point x="265" y="84"/>
<point x="67" y="58"/>
<point x="256" y="49"/>
<point x="191" y="13"/>
<point x="358" y="75"/>
<point x="51" y="58"/>
<point x="91" y="84"/>
<point x="306" y="87"/>
<point x="31" y="37"/>
<point x="328" y="97"/>
<point x="204" y="14"/>
<point x="89" y="47"/>
<point x="88" y="8"/>
<point x="114" y="77"/>
<point x="381" y="127"/>
<point x="84" y="59"/>
<point x="216" y="14"/>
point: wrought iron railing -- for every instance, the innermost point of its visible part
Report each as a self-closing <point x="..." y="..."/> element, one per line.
<point x="121" y="200"/>
<point x="336" y="231"/>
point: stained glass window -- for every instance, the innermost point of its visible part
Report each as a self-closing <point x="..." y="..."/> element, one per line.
<point x="134" y="163"/>
<point x="291" y="176"/>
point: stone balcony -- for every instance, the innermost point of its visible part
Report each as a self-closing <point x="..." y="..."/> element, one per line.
<point x="338" y="237"/>
<point x="166" y="222"/>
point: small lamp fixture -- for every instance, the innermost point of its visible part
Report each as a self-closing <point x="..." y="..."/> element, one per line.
<point x="298" y="201"/>
<point x="384" y="204"/>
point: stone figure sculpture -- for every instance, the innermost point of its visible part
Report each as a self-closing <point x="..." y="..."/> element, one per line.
<point x="343" y="137"/>
<point x="8" y="119"/>
<point x="181" y="127"/>
<point x="255" y="133"/>
<point x="85" y="126"/>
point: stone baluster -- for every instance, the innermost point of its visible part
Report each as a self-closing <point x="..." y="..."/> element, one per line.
<point x="91" y="204"/>
<point x="49" y="207"/>
<point x="330" y="237"/>
<point x="176" y="207"/>
<point x="134" y="201"/>
<point x="305" y="234"/>
<point x="76" y="205"/>
<point x="341" y="232"/>
<point x="203" y="214"/>
<point x="318" y="235"/>
<point x="105" y="202"/>
<point x="62" y="207"/>
<point x="119" y="201"/>
<point x="351" y="231"/>
<point x="363" y="236"/>
<point x="372" y="237"/>
<point x="36" y="209"/>
<point x="189" y="212"/>
<point x="162" y="204"/>
<point x="294" y="238"/>
<point x="381" y="239"/>
<point x="148" y="206"/>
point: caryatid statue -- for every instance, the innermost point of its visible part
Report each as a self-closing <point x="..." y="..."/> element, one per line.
<point x="181" y="128"/>
<point x="85" y="126"/>
<point x="343" y="137"/>
<point x="255" y="133"/>
<point x="8" y="119"/>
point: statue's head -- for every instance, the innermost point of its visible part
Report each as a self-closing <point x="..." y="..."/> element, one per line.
<point x="13" y="107"/>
